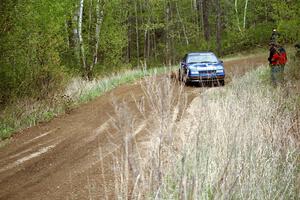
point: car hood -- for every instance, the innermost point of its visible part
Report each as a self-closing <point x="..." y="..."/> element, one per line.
<point x="205" y="66"/>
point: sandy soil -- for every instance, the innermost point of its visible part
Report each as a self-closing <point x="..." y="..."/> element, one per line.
<point x="72" y="156"/>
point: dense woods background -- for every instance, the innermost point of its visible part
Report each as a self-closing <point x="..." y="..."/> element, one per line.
<point x="44" y="43"/>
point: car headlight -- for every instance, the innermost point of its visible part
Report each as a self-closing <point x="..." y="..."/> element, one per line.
<point x="193" y="68"/>
<point x="194" y="72"/>
<point x="220" y="71"/>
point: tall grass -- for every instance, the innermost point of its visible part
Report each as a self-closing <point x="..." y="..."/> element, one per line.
<point x="240" y="144"/>
<point x="139" y="166"/>
<point x="237" y="142"/>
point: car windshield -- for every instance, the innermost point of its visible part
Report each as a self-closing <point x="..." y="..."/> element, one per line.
<point x="202" y="58"/>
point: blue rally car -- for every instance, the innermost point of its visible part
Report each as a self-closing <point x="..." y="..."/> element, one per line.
<point x="201" y="67"/>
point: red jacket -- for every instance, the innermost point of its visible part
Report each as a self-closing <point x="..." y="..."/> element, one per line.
<point x="276" y="59"/>
<point x="283" y="58"/>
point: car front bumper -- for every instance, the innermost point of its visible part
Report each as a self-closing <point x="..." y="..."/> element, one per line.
<point x="203" y="78"/>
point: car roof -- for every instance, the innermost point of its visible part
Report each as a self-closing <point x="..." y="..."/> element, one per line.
<point x="200" y="53"/>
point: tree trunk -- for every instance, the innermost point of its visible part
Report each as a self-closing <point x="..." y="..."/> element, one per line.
<point x="97" y="37"/>
<point x="98" y="27"/>
<point x="206" y="26"/>
<point x="245" y="14"/>
<point x="90" y="21"/>
<point x="219" y="27"/>
<point x="199" y="21"/>
<point x="182" y="23"/>
<point x="145" y="45"/>
<point x="146" y="36"/>
<point x="148" y="44"/>
<point x="167" y="30"/>
<point x="154" y="46"/>
<point x="75" y="36"/>
<point x="237" y="15"/>
<point x="83" y="58"/>
<point x="129" y="30"/>
<point x="137" y="33"/>
<point x="128" y="51"/>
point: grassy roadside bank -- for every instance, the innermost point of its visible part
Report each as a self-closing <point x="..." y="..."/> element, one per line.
<point x="29" y="112"/>
<point x="241" y="141"/>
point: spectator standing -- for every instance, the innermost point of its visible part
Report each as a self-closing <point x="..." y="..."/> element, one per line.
<point x="276" y="60"/>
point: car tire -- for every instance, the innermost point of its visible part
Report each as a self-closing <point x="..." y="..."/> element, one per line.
<point x="185" y="80"/>
<point x="222" y="82"/>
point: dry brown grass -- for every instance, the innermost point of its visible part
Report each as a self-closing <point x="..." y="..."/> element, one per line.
<point x="237" y="142"/>
<point x="148" y="138"/>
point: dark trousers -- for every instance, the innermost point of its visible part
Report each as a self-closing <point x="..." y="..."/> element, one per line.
<point x="277" y="74"/>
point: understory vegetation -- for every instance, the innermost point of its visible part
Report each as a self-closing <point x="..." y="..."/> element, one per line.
<point x="241" y="141"/>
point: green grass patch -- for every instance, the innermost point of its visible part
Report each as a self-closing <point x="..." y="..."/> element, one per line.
<point x="108" y="84"/>
<point x="5" y="131"/>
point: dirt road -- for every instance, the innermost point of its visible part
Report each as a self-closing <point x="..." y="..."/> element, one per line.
<point x="71" y="156"/>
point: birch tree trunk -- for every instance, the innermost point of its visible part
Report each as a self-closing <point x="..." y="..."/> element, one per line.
<point x="183" y="26"/>
<point x="90" y="20"/>
<point x="148" y="44"/>
<point x="137" y="33"/>
<point x="75" y="37"/>
<point x="167" y="16"/>
<point x="145" y="45"/>
<point x="219" y="27"/>
<point x="100" y="14"/>
<point x="129" y="17"/>
<point x="146" y="35"/>
<point x="80" y="17"/>
<point x="237" y="15"/>
<point x="245" y="14"/>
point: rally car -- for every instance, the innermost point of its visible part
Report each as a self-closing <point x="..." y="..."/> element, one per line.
<point x="201" y="67"/>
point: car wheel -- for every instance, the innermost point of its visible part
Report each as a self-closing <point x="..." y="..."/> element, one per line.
<point x="179" y="76"/>
<point x="185" y="80"/>
<point x="222" y="82"/>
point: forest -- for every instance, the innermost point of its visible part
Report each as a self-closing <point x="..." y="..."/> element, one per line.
<point x="45" y="43"/>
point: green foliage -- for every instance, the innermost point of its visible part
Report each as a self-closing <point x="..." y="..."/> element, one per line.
<point x="5" y="131"/>
<point x="113" y="34"/>
<point x="40" y="47"/>
<point x="256" y="35"/>
<point x="42" y="34"/>
<point x="286" y="14"/>
<point x="30" y="62"/>
<point x="290" y="31"/>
